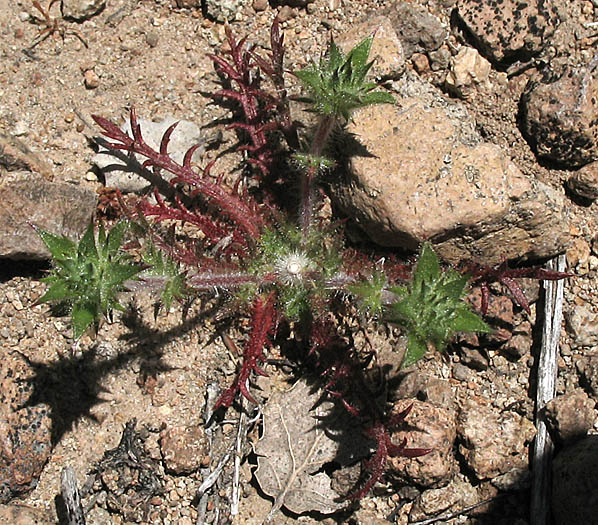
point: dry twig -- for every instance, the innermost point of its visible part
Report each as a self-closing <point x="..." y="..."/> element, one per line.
<point x="547" y="372"/>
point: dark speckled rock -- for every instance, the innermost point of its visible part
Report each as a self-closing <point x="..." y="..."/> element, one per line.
<point x="560" y="118"/>
<point x="25" y="444"/>
<point x="508" y="30"/>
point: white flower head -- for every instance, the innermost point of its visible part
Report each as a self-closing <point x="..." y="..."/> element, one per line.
<point x="291" y="267"/>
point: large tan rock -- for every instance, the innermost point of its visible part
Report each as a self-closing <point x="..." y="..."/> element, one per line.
<point x="420" y="172"/>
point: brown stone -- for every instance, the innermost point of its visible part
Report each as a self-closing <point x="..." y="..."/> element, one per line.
<point x="183" y="448"/>
<point x="584" y="182"/>
<point x="570" y="416"/>
<point x="493" y="442"/>
<point x="427" y="426"/>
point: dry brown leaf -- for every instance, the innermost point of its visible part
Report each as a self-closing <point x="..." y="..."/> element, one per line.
<point x="294" y="447"/>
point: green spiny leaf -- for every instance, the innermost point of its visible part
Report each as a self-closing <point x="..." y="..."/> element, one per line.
<point x="58" y="246"/>
<point x="83" y="316"/>
<point x="416" y="349"/>
<point x="432" y="309"/>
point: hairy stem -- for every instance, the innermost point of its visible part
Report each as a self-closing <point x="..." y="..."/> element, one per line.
<point x="308" y="180"/>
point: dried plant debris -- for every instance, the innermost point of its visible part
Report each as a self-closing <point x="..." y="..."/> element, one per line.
<point x="302" y="434"/>
<point x="129" y="477"/>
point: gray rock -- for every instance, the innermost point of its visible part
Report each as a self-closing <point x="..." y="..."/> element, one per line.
<point x="418" y="171"/>
<point x="80" y="10"/>
<point x="417" y="29"/>
<point x="60" y="208"/>
<point x="582" y="324"/>
<point x="574" y="483"/>
<point x="570" y="416"/>
<point x="584" y="182"/>
<point x="223" y="10"/>
<point x="508" y="30"/>
<point x="492" y="442"/>
<point x="127" y="175"/>
<point x="558" y="117"/>
<point x="427" y="426"/>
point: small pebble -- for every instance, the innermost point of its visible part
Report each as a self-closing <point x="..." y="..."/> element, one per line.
<point x="21" y="128"/>
<point x="260" y="5"/>
<point x="286" y="13"/>
<point x="91" y="79"/>
<point x="151" y="38"/>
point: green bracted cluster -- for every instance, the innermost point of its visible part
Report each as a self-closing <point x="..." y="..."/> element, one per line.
<point x="370" y="293"/>
<point x="432" y="307"/>
<point x="337" y="85"/>
<point x="86" y="277"/>
<point x="298" y="267"/>
<point x="168" y="271"/>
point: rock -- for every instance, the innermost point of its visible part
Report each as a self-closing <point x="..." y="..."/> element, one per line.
<point x="558" y="118"/>
<point x="468" y="73"/>
<point x="260" y="5"/>
<point x="188" y="4"/>
<point x="454" y="497"/>
<point x="286" y="13"/>
<point x="474" y="358"/>
<point x="91" y="79"/>
<point x="508" y="30"/>
<point x="25" y="431"/>
<point x="416" y="385"/>
<point x="152" y="38"/>
<point x="120" y="172"/>
<point x="570" y="416"/>
<point x="493" y="443"/>
<point x="418" y="171"/>
<point x="587" y="366"/>
<point x="223" y="10"/>
<point x="417" y="29"/>
<point x="15" y="155"/>
<point x="440" y="59"/>
<point x="520" y="343"/>
<point x="582" y="324"/>
<point x="578" y="254"/>
<point x="574" y="480"/>
<point x="386" y="52"/>
<point x="184" y="449"/>
<point x="80" y="10"/>
<point x="584" y="182"/>
<point x="428" y="426"/>
<point x="60" y="208"/>
<point x="24" y="515"/>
